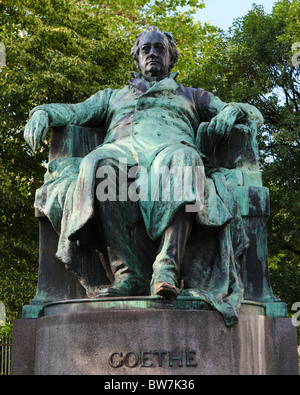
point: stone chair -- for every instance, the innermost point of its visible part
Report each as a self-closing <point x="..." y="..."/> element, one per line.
<point x="239" y="153"/>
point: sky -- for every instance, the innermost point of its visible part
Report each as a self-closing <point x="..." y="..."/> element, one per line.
<point x="221" y="13"/>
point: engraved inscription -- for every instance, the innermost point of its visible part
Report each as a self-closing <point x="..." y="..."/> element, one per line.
<point x="153" y="359"/>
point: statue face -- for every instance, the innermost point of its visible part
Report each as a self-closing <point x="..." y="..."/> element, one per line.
<point x="154" y="55"/>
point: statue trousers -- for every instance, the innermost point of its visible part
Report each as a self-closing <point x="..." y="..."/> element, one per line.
<point x="137" y="262"/>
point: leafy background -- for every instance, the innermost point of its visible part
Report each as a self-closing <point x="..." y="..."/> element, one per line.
<point x="66" y="50"/>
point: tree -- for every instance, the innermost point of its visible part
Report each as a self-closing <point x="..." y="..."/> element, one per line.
<point x="59" y="51"/>
<point x="66" y="50"/>
<point x="253" y="63"/>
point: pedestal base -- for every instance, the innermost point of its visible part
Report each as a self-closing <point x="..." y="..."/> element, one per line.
<point x="84" y="338"/>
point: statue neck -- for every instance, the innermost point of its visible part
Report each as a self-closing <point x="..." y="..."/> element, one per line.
<point x="154" y="78"/>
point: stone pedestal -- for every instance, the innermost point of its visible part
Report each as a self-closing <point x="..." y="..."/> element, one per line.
<point x="149" y="337"/>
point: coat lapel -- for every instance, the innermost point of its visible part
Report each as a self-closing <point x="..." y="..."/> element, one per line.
<point x="166" y="85"/>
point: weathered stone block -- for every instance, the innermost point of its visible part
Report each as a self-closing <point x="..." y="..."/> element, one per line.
<point x="157" y="341"/>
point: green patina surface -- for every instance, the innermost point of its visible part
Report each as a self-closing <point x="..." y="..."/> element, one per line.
<point x="271" y="310"/>
<point x="163" y="124"/>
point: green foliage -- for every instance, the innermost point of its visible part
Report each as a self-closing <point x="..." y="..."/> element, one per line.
<point x="253" y="63"/>
<point x="59" y="51"/>
<point x="275" y="89"/>
<point x="66" y="50"/>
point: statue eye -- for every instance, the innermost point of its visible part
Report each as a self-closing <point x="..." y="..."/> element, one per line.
<point x="161" y="48"/>
<point x="146" y="48"/>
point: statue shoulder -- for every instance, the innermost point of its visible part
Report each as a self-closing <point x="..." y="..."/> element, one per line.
<point x="195" y="95"/>
<point x="116" y="93"/>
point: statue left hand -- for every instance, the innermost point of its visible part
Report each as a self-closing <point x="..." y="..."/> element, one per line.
<point x="221" y="125"/>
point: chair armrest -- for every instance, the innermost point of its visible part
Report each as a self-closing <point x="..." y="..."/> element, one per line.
<point x="240" y="151"/>
<point x="73" y="141"/>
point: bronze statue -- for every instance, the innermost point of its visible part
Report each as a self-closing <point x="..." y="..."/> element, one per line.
<point x="152" y="123"/>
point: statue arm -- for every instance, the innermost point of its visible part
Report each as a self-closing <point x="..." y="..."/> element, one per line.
<point x="92" y="111"/>
<point x="222" y="116"/>
<point x="244" y="112"/>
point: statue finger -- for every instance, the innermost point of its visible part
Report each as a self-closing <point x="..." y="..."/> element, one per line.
<point x="219" y="131"/>
<point x="27" y="129"/>
<point x="227" y="133"/>
<point x="211" y="127"/>
<point x="43" y="134"/>
<point x="44" y="130"/>
<point x="36" y="137"/>
<point x="34" y="143"/>
<point x="28" y="135"/>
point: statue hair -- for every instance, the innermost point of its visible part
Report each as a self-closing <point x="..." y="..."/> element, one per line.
<point x="174" y="53"/>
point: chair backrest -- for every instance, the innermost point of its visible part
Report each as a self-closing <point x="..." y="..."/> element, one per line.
<point x="240" y="151"/>
<point x="74" y="141"/>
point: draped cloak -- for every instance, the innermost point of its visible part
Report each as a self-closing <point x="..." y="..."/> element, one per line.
<point x="150" y="124"/>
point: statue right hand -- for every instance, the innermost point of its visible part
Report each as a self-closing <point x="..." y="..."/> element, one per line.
<point x="36" y="129"/>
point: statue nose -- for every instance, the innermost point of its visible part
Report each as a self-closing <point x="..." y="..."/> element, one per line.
<point x="152" y="52"/>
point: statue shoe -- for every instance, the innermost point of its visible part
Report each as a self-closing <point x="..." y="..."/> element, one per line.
<point x="165" y="290"/>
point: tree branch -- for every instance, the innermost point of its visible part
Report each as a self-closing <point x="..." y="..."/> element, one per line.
<point x="290" y="248"/>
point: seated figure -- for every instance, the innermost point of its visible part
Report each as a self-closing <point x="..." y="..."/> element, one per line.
<point x="189" y="242"/>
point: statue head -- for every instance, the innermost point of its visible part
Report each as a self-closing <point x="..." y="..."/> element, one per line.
<point x="154" y="53"/>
